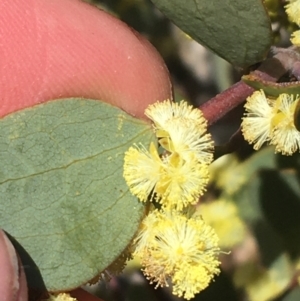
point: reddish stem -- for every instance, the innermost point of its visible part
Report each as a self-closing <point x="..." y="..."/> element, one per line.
<point x="221" y="104"/>
<point x="214" y="109"/>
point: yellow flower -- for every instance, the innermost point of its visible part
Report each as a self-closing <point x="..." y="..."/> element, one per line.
<point x="191" y="279"/>
<point x="174" y="182"/>
<point x="180" y="176"/>
<point x="182" y="182"/>
<point x="222" y="215"/>
<point x="184" y="250"/>
<point x="161" y="112"/>
<point x="61" y="297"/>
<point x="182" y="129"/>
<point x="142" y="171"/>
<point x="256" y="125"/>
<point x="293" y="11"/>
<point x="186" y="139"/>
<point x="295" y="38"/>
<point x="286" y="137"/>
<point x="271" y="120"/>
<point x="144" y="236"/>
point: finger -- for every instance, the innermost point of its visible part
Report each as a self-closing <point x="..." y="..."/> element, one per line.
<point x="12" y="278"/>
<point x="63" y="48"/>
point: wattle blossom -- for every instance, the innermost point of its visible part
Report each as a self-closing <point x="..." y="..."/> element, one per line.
<point x="179" y="176"/>
<point x="178" y="249"/>
<point x="271" y="120"/>
<point x="182" y="129"/>
<point x="61" y="297"/>
<point x="142" y="170"/>
<point x="293" y="11"/>
<point x="173" y="246"/>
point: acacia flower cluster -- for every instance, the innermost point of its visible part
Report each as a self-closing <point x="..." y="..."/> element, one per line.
<point x="293" y="11"/>
<point x="185" y="249"/>
<point x="174" y="246"/>
<point x="271" y="120"/>
<point x="179" y="177"/>
<point x="61" y="297"/>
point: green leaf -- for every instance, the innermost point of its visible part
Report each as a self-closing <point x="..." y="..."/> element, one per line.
<point x="269" y="202"/>
<point x="63" y="196"/>
<point x="293" y="295"/>
<point x="268" y="284"/>
<point x="239" y="31"/>
<point x="280" y="202"/>
<point x="271" y="88"/>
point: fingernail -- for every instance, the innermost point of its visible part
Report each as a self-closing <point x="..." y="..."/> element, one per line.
<point x="12" y="278"/>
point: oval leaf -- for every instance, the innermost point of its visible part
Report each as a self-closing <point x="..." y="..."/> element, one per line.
<point x="63" y="196"/>
<point x="239" y="31"/>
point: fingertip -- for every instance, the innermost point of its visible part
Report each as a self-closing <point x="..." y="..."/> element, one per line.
<point x="13" y="285"/>
<point x="67" y="48"/>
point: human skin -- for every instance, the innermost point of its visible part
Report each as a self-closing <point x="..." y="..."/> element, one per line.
<point x="67" y="48"/>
